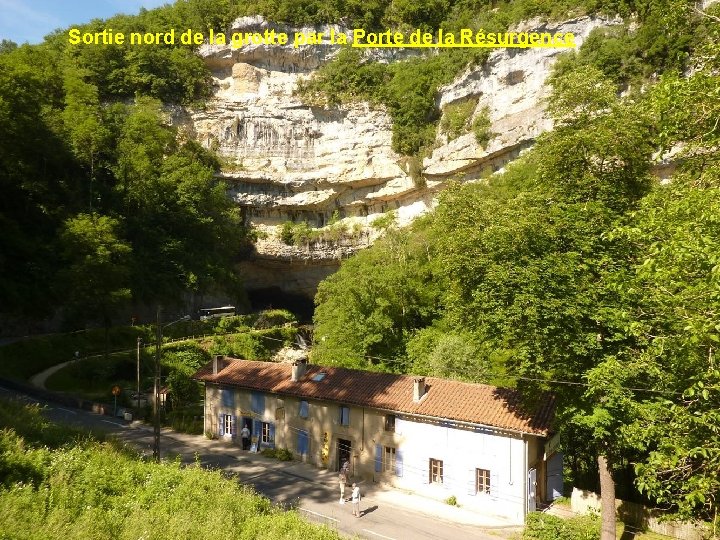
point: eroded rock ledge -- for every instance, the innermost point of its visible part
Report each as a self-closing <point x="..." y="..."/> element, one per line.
<point x="284" y="160"/>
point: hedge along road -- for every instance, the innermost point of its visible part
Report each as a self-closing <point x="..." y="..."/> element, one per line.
<point x="387" y="514"/>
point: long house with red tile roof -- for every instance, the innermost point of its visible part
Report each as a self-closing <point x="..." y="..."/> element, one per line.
<point x="434" y="436"/>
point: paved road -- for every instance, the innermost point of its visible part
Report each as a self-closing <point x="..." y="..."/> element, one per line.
<point x="388" y="515"/>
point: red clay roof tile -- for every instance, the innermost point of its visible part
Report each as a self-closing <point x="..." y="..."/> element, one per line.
<point x="445" y="399"/>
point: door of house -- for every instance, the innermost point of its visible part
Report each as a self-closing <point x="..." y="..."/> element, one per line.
<point x="344" y="451"/>
<point x="531" y="488"/>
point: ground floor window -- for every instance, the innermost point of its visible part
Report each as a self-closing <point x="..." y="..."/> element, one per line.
<point x="388" y="459"/>
<point x="267" y="433"/>
<point x="482" y="481"/>
<point x="436" y="471"/>
<point x="226" y="425"/>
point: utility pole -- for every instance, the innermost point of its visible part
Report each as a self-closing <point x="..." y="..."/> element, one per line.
<point x="139" y="341"/>
<point x="156" y="401"/>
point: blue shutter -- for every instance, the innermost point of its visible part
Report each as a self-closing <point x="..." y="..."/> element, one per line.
<point x="272" y="435"/>
<point x="471" y="481"/>
<point x="378" y="458"/>
<point x="228" y="398"/>
<point x="257" y="430"/>
<point x="345" y="416"/>
<point x="302" y="442"/>
<point x="257" y="402"/>
<point x="233" y="426"/>
<point x="398" y="462"/>
<point x="303" y="409"/>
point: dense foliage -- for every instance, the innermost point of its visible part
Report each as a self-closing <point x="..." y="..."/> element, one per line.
<point x="576" y="272"/>
<point x="103" y="202"/>
<point x="57" y="484"/>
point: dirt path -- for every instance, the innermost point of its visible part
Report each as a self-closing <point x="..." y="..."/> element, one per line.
<point x="39" y="379"/>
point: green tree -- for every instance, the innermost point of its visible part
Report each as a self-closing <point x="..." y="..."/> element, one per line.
<point x="83" y="120"/>
<point x="184" y="230"/>
<point x="96" y="276"/>
<point x="368" y="310"/>
<point x="37" y="178"/>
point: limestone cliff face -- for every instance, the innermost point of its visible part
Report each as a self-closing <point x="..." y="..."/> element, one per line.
<point x="284" y="160"/>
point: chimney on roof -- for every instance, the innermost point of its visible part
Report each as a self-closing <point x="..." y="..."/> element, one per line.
<point x="218" y="363"/>
<point x="418" y="388"/>
<point x="298" y="370"/>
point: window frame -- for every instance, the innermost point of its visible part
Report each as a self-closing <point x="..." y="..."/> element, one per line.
<point x="390" y="422"/>
<point x="436" y="471"/>
<point x="482" y="481"/>
<point x="305" y="409"/>
<point x="265" y="433"/>
<point x="344" y="415"/>
<point x="389" y="460"/>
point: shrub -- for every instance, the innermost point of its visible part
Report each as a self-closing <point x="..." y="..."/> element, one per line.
<point x="286" y="232"/>
<point x="451" y="500"/>
<point x="456" y="118"/>
<point x="481" y="127"/>
<point x="283" y="454"/>
<point x="540" y="526"/>
<point x="274" y="317"/>
<point x="384" y="222"/>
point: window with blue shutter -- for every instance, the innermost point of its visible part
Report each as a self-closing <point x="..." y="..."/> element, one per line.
<point x="257" y="403"/>
<point x="303" y="442"/>
<point x="233" y="426"/>
<point x="221" y="425"/>
<point x="344" y="416"/>
<point x="304" y="409"/>
<point x="378" y="457"/>
<point x="257" y="428"/>
<point x="227" y="398"/>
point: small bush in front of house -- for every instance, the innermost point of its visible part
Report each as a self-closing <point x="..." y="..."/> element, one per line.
<point x="283" y="454"/>
<point x="451" y="500"/>
<point x="540" y="526"/>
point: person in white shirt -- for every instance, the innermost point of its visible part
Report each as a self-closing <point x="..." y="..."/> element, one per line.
<point x="355" y="498"/>
<point x="245" y="436"/>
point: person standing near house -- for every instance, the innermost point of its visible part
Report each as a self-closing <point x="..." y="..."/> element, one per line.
<point x="342" y="478"/>
<point x="355" y="498"/>
<point x="245" y="436"/>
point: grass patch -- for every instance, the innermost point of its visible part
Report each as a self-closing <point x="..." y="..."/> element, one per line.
<point x="540" y="526"/>
<point x="87" y="489"/>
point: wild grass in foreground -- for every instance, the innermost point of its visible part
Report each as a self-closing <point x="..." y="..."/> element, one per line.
<point x="56" y="484"/>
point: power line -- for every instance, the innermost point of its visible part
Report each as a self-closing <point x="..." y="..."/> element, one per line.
<point x="473" y="375"/>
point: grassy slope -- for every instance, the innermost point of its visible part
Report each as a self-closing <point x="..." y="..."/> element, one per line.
<point x="54" y="485"/>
